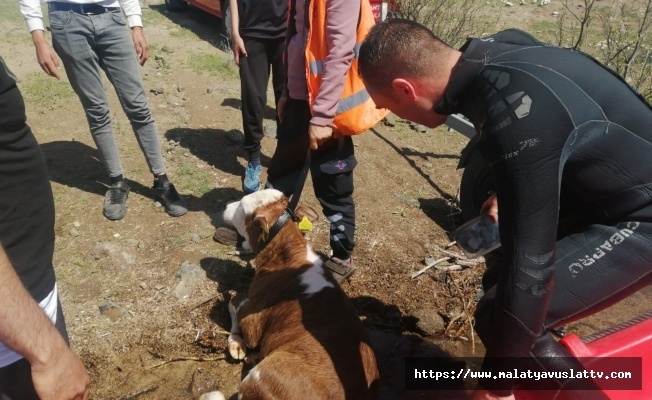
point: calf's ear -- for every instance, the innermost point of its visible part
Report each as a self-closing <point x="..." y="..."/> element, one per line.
<point x="262" y="223"/>
<point x="305" y="211"/>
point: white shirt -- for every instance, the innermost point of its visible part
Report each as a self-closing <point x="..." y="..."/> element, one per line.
<point x="31" y="10"/>
<point x="49" y="306"/>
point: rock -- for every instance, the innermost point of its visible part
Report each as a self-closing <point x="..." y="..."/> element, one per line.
<point x="235" y="136"/>
<point x="180" y="89"/>
<point x="114" y="253"/>
<point x="157" y="91"/>
<point x="189" y="275"/>
<point x="113" y="311"/>
<point x="159" y="287"/>
<point x="210" y="90"/>
<point x="427" y="165"/>
<point x="76" y="224"/>
<point x="116" y="235"/>
<point x="166" y="49"/>
<point x="133" y="243"/>
<point x="419" y="128"/>
<point x="390" y="120"/>
<point x="555" y="13"/>
<point x="74" y="232"/>
<point x="429" y="321"/>
<point x="508" y="4"/>
<point x="195" y="238"/>
<point x="212" y="396"/>
<point x="143" y="285"/>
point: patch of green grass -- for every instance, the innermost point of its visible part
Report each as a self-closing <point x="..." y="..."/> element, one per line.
<point x="153" y="17"/>
<point x="46" y="91"/>
<point x="183" y="33"/>
<point x="196" y="181"/>
<point x="215" y="64"/>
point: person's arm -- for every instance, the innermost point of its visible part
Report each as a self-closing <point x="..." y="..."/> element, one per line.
<point x="237" y="44"/>
<point x="341" y="27"/>
<point x="133" y="13"/>
<point x="46" y="57"/>
<point x="57" y="373"/>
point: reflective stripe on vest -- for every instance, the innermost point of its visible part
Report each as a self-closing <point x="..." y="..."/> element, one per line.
<point x="317" y="66"/>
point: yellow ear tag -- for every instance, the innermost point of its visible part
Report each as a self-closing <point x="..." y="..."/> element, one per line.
<point x="305" y="225"/>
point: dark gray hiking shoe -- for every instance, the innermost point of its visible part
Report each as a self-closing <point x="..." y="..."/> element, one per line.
<point x="169" y="197"/>
<point x="115" y="201"/>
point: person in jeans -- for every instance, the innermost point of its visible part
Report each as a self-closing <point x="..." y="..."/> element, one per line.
<point x="93" y="35"/>
<point x="258" y="42"/>
<point x="35" y="360"/>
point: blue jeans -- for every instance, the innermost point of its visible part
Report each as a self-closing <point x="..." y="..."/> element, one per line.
<point x="88" y="43"/>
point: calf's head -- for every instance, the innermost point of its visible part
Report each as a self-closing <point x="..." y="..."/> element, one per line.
<point x="256" y="213"/>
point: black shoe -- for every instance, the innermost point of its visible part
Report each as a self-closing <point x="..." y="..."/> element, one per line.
<point x="168" y="196"/>
<point x="115" y="201"/>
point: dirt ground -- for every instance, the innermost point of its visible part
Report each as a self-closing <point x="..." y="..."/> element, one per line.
<point x="118" y="280"/>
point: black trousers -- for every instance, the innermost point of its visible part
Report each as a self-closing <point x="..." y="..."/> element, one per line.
<point x="16" y="379"/>
<point x="596" y="267"/>
<point x="263" y="55"/>
<point x="331" y="169"/>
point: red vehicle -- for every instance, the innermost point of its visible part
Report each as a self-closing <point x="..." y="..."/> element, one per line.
<point x="215" y="7"/>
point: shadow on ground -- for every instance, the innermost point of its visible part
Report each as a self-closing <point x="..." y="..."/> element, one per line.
<point x="206" y="26"/>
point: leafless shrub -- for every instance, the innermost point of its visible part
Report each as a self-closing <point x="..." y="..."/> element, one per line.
<point x="451" y="20"/>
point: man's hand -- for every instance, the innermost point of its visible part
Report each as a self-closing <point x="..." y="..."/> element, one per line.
<point x="319" y="134"/>
<point x="63" y="377"/>
<point x="238" y="48"/>
<point x="280" y="106"/>
<point x="481" y="394"/>
<point x="490" y="207"/>
<point x="46" y="57"/>
<point x="140" y="44"/>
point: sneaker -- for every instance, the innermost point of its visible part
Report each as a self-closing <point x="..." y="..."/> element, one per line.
<point x="251" y="182"/>
<point x="169" y="197"/>
<point x="340" y="269"/>
<point x="115" y="201"/>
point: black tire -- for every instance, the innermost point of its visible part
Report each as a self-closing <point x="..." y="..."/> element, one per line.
<point x="476" y="187"/>
<point x="176" y="5"/>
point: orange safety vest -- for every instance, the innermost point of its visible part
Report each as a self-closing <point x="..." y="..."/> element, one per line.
<point x="356" y="111"/>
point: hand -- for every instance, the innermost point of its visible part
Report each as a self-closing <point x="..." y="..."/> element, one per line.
<point x="490" y="207"/>
<point x="280" y="106"/>
<point x="319" y="134"/>
<point x="482" y="394"/>
<point x="140" y="44"/>
<point x="46" y="57"/>
<point x="237" y="44"/>
<point x="63" y="378"/>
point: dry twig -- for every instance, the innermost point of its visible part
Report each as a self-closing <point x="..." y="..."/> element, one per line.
<point x="198" y="359"/>
<point x="427" y="267"/>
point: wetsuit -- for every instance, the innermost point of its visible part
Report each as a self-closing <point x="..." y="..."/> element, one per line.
<point x="570" y="147"/>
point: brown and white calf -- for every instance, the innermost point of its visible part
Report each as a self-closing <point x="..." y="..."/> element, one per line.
<point x="312" y="343"/>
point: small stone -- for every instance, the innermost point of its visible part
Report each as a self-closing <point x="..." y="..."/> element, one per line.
<point x="235" y="136"/>
<point x="508" y="4"/>
<point x="116" y="235"/>
<point x="429" y="321"/>
<point x="180" y="89"/>
<point x="74" y="232"/>
<point x="555" y="13"/>
<point x="133" y="242"/>
<point x="427" y="165"/>
<point x="76" y="224"/>
<point x="195" y="238"/>
<point x="157" y="91"/>
<point x="143" y="285"/>
<point x="157" y="204"/>
<point x="113" y="311"/>
<point x="159" y="287"/>
<point x="210" y="90"/>
<point x="419" y="128"/>
<point x="390" y="120"/>
<point x="166" y="49"/>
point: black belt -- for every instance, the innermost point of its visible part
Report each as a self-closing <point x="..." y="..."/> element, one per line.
<point x="86" y="9"/>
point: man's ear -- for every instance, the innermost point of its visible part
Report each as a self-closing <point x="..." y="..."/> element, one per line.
<point x="404" y="88"/>
<point x="305" y="211"/>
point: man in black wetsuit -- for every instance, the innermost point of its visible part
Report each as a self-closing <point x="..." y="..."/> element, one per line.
<point x="570" y="147"/>
<point x="35" y="360"/>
